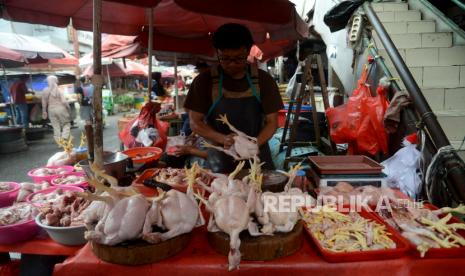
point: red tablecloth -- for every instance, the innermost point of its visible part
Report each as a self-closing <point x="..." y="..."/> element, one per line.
<point x="200" y="259"/>
<point x="41" y="245"/>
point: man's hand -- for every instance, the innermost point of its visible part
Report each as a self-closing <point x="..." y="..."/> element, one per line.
<point x="44" y="115"/>
<point x="182" y="150"/>
<point x="228" y="140"/>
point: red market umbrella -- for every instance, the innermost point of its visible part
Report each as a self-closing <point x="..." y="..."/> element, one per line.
<point x="270" y="49"/>
<point x="120" y="18"/>
<point x="118" y="69"/>
<point x="10" y="58"/>
<point x="30" y="47"/>
<point x="176" y="18"/>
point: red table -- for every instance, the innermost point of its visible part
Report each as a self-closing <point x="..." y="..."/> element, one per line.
<point x="40" y="245"/>
<point x="200" y="259"/>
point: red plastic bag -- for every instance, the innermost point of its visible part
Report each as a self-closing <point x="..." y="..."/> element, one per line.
<point x="146" y="118"/>
<point x="342" y="125"/>
<point x="372" y="136"/>
<point x="344" y="120"/>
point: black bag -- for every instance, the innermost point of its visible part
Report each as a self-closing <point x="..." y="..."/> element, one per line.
<point x="337" y="17"/>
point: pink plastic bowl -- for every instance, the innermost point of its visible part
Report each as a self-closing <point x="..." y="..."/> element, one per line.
<point x="48" y="178"/>
<point x="18" y="232"/>
<point x="50" y="190"/>
<point x="84" y="183"/>
<point x="8" y="197"/>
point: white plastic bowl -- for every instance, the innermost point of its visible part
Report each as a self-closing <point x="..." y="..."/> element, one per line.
<point x="71" y="235"/>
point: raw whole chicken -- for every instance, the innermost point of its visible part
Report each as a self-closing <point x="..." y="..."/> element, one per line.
<point x="65" y="157"/>
<point x="278" y="221"/>
<point x="230" y="213"/>
<point x="62" y="158"/>
<point x="244" y="147"/>
<point x="226" y="185"/>
<point x="176" y="212"/>
<point x="123" y="222"/>
<point x="102" y="205"/>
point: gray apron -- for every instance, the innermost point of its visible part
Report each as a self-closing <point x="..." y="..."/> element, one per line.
<point x="244" y="111"/>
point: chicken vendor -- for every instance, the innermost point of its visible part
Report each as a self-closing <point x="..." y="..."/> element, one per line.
<point x="248" y="96"/>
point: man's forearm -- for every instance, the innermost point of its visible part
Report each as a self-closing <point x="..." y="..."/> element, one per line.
<point x="271" y="124"/>
<point x="266" y="134"/>
<point x="207" y="132"/>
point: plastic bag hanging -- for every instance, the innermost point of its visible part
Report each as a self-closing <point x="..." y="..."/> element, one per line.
<point x="337" y="17"/>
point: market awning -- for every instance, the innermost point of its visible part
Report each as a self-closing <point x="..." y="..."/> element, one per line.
<point x="30" y="47"/>
<point x="10" y="58"/>
<point x="120" y="18"/>
<point x="120" y="69"/>
<point x="192" y="19"/>
<point x="270" y="49"/>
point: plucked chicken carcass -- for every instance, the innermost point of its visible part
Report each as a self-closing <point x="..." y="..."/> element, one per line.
<point x="244" y="147"/>
<point x="123" y="216"/>
<point x="123" y="222"/>
<point x="278" y="221"/>
<point x="174" y="211"/>
<point x="230" y="213"/>
<point x="226" y="185"/>
<point x="65" y="157"/>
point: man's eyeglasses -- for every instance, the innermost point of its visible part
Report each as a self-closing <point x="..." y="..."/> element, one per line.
<point x="236" y="60"/>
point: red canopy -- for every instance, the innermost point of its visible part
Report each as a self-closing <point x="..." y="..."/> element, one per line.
<point x="176" y="18"/>
<point x="117" y="69"/>
<point x="10" y="58"/>
<point x="116" y="18"/>
<point x="270" y="49"/>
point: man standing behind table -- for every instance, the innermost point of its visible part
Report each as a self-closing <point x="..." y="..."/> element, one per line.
<point x="18" y="92"/>
<point x="248" y="96"/>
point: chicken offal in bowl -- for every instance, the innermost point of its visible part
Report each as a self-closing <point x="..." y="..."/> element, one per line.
<point x="50" y="195"/>
<point x="48" y="173"/>
<point x="70" y="179"/>
<point x="8" y="193"/>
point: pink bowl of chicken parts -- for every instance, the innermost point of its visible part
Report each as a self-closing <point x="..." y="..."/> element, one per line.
<point x="48" y="173"/>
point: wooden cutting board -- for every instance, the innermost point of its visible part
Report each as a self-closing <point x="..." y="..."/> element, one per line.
<point x="140" y="252"/>
<point x="261" y="248"/>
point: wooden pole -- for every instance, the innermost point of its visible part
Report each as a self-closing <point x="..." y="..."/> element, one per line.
<point x="97" y="81"/>
<point x="176" y="92"/>
<point x="150" y="50"/>
<point x="77" y="55"/>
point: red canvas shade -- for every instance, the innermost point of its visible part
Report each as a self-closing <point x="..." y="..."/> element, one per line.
<point x="117" y="69"/>
<point x="10" y="58"/>
<point x="117" y="17"/>
<point x="177" y="18"/>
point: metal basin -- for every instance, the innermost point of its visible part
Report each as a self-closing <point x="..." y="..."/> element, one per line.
<point x="114" y="163"/>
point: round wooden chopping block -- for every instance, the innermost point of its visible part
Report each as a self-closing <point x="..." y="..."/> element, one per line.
<point x="140" y="252"/>
<point x="262" y="248"/>
<point x="273" y="181"/>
